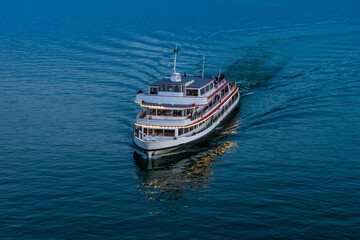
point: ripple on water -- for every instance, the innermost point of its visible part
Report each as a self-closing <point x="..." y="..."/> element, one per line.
<point x="286" y="165"/>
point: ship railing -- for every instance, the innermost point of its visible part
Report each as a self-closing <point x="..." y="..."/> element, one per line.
<point x="202" y="113"/>
<point x="142" y="136"/>
<point x="201" y="129"/>
<point x="142" y="114"/>
<point x="152" y="138"/>
<point x="163" y="117"/>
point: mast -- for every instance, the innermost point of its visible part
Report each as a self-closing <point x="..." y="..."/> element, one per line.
<point x="203" y="68"/>
<point x="175" y="77"/>
<point x="175" y="52"/>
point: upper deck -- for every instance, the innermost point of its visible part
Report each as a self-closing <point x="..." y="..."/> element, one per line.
<point x="188" y="81"/>
<point x="188" y="90"/>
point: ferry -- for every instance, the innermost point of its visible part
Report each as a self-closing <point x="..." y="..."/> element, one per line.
<point x="181" y="109"/>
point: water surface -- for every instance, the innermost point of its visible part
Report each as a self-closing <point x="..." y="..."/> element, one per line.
<point x="287" y="165"/>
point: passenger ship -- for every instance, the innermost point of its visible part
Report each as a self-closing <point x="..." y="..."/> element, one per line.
<point x="179" y="110"/>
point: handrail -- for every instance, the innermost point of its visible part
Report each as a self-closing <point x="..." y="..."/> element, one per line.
<point x="213" y="106"/>
<point x="203" y="129"/>
<point x="194" y="117"/>
<point x="202" y="120"/>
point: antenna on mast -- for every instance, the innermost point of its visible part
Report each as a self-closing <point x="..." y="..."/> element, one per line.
<point x="203" y="68"/>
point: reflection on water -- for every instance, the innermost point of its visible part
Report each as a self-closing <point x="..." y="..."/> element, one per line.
<point x="187" y="169"/>
<point x="188" y="174"/>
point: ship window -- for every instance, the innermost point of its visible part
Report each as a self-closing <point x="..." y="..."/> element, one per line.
<point x="202" y="91"/>
<point x="191" y="128"/>
<point x="207" y="88"/>
<point x="177" y="113"/>
<point x="153" y="90"/>
<point x="181" y="131"/>
<point x="226" y="89"/>
<point x="158" y="132"/>
<point x="145" y="131"/>
<point x="211" y="86"/>
<point x="169" y="133"/>
<point x="161" y="88"/>
<point x="189" y="111"/>
<point x="191" y="92"/>
<point x="160" y="112"/>
<point x="153" y="112"/>
<point x="168" y="113"/>
<point x="177" y="88"/>
<point x="205" y="109"/>
<point x="186" y="130"/>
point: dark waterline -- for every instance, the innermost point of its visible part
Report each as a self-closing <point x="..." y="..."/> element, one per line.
<point x="287" y="165"/>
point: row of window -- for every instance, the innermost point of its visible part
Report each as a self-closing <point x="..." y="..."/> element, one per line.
<point x="206" y="88"/>
<point x="171" y="88"/>
<point x="183" y="113"/>
<point x="170" y="113"/>
<point x="186" y="112"/>
<point x="192" y="92"/>
<point x="215" y="99"/>
<point x="189" y="129"/>
<point x="181" y="131"/>
<point x="177" y="88"/>
<point x="170" y="132"/>
<point x="159" y="132"/>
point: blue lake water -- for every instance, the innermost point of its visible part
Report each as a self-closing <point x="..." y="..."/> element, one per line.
<point x="287" y="165"/>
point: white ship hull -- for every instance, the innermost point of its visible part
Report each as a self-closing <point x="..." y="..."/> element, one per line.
<point x="155" y="148"/>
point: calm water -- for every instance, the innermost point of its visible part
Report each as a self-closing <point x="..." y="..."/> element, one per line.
<point x="286" y="165"/>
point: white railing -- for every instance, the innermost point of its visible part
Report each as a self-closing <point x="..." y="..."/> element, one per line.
<point x="202" y="113"/>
